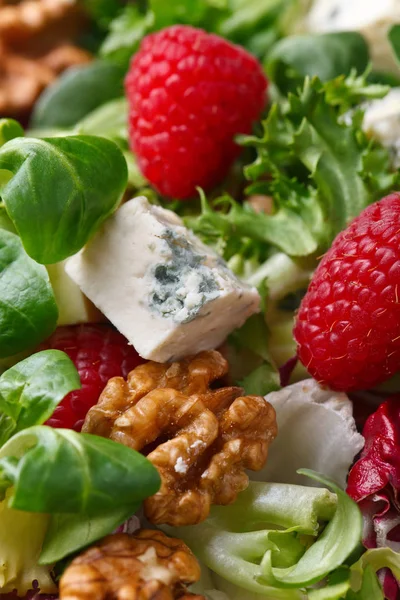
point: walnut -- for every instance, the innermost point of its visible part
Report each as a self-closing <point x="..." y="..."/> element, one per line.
<point x="146" y="566"/>
<point x="36" y="45"/>
<point x="201" y="440"/>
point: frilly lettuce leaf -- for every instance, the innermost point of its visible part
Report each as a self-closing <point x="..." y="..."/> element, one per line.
<point x="326" y="156"/>
<point x="251" y="23"/>
<point x="316" y="430"/>
<point x="319" y="168"/>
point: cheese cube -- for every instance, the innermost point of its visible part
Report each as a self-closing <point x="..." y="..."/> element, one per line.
<point x="168" y="293"/>
<point x="382" y="121"/>
<point x="372" y="18"/>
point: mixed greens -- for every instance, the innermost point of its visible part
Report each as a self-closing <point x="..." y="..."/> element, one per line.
<point x="294" y="533"/>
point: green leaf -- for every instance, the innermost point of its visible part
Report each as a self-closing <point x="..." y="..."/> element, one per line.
<point x="394" y="39"/>
<point x="370" y="588"/>
<point x="248" y="18"/>
<point x="102" y="11"/>
<point x="313" y="164"/>
<point x="251" y="23"/>
<point x="126" y="32"/>
<point x="251" y="542"/>
<point x="5" y="221"/>
<point x="31" y="390"/>
<point x="285" y="229"/>
<point x="376" y="558"/>
<point x="76" y="93"/>
<point x="336" y="587"/>
<point x="109" y="121"/>
<point x="61" y="471"/>
<point x="340" y="538"/>
<point x="21" y="538"/>
<point x="9" y="129"/>
<point x="28" y="311"/>
<point x="249" y="344"/>
<point x="68" y="533"/>
<point x="262" y="380"/>
<point x="179" y="11"/>
<point x="61" y="191"/>
<point x="323" y="55"/>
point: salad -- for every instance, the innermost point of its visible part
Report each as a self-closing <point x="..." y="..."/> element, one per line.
<point x="199" y="300"/>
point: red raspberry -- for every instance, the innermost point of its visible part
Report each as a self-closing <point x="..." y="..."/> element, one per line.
<point x="190" y="93"/>
<point x="348" y="325"/>
<point x="99" y="352"/>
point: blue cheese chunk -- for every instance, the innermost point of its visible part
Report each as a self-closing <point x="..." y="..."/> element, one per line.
<point x="371" y="18"/>
<point x="168" y="293"/>
<point x="382" y="121"/>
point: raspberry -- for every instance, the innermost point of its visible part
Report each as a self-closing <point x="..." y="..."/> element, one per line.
<point x="99" y="352"/>
<point x="348" y="325"/>
<point x="190" y="93"/>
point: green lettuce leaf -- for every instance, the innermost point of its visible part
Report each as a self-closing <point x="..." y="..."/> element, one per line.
<point x="31" y="390"/>
<point x="340" y="538"/>
<point x="28" y="310"/>
<point x="274" y="537"/>
<point x="61" y="191"/>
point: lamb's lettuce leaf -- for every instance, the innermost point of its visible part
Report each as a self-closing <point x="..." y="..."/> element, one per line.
<point x="21" y="538"/>
<point x="76" y="93"/>
<point x="394" y="39"/>
<point x="61" y="190"/>
<point x="28" y="310"/>
<point x="326" y="55"/>
<point x="68" y="533"/>
<point x="31" y="390"/>
<point x="77" y="472"/>
<point x="88" y="484"/>
<point x="108" y="120"/>
<point x="9" y="129"/>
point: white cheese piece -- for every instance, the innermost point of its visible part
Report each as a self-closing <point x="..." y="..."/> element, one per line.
<point x="168" y="293"/>
<point x="372" y="18"/>
<point x="73" y="306"/>
<point x="382" y="121"/>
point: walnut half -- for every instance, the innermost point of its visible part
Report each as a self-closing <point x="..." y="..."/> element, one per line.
<point x="200" y="439"/>
<point x="146" y="566"/>
<point x="37" y="43"/>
